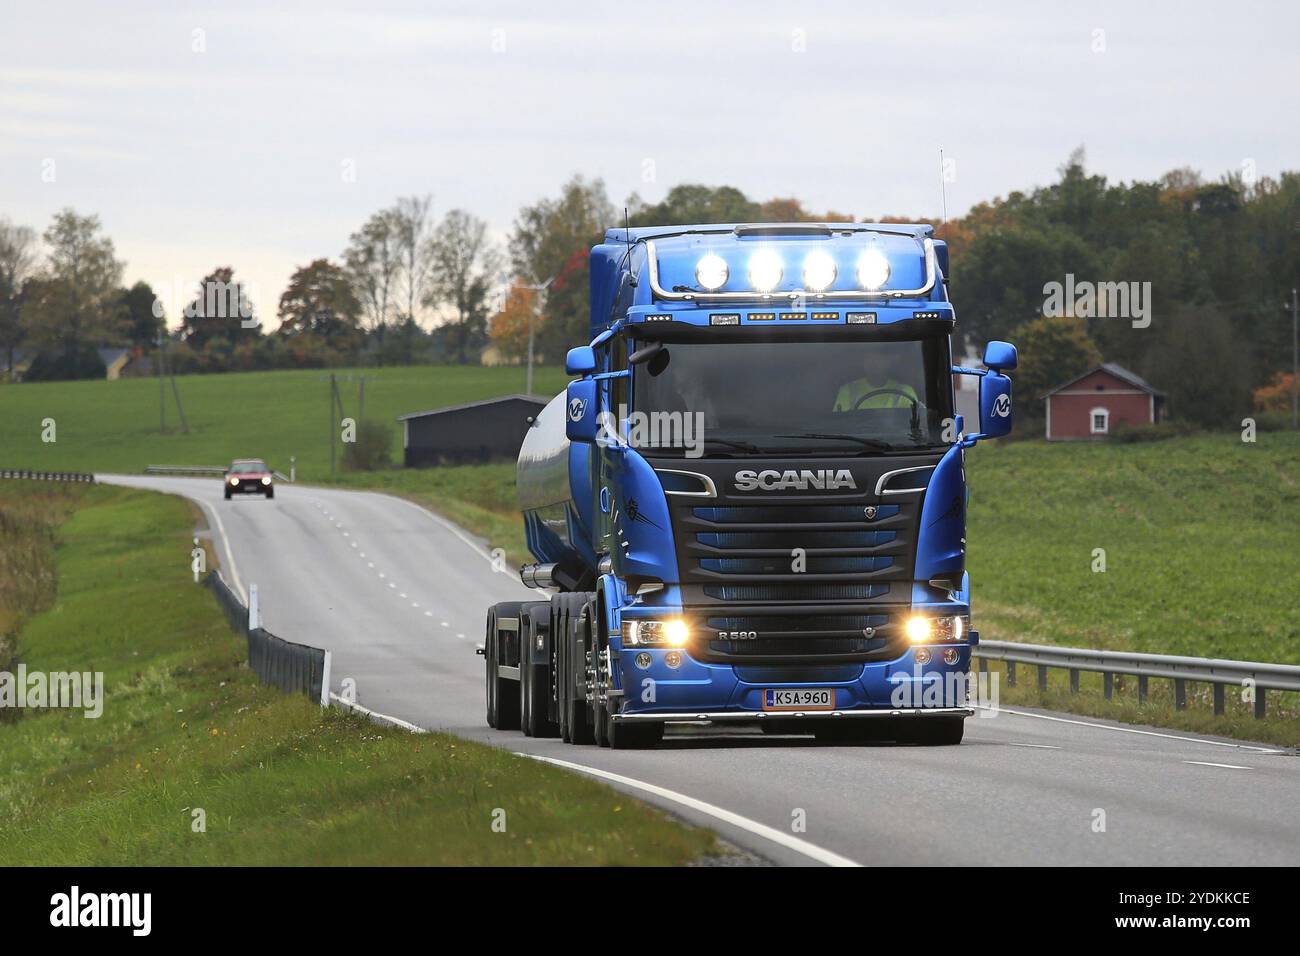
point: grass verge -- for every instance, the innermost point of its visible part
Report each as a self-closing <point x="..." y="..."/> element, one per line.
<point x="186" y="728"/>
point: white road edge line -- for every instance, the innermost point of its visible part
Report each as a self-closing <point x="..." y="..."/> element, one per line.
<point x="787" y="840"/>
<point x="215" y="520"/>
<point x="1132" y="730"/>
<point x="1225" y="766"/>
<point x="375" y="715"/>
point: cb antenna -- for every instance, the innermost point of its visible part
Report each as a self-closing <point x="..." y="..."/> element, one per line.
<point x="943" y="187"/>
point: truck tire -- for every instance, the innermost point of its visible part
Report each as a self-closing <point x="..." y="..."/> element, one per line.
<point x="624" y="735"/>
<point x="932" y="731"/>
<point x="502" y="695"/>
<point x="600" y="721"/>
<point x="571" y="654"/>
<point x="534" y="675"/>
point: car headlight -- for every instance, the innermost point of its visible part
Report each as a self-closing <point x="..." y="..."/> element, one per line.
<point x="765" y="270"/>
<point x="266" y="480"/>
<point x="672" y="633"/>
<point x="711" y="272"/>
<point x="924" y="629"/>
<point x="234" y="481"/>
<point x="873" y="270"/>
<point x="818" y="271"/>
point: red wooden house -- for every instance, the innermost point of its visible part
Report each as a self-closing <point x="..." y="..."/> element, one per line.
<point x="1092" y="404"/>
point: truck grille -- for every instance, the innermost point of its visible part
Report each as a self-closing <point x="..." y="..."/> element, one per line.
<point x="760" y="542"/>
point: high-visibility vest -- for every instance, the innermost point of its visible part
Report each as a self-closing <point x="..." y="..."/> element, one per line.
<point x="850" y="392"/>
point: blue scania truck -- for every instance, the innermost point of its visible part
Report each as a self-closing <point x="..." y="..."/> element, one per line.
<point x="750" y="505"/>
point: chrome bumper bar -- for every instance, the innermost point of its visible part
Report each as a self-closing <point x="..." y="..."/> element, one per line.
<point x="760" y="715"/>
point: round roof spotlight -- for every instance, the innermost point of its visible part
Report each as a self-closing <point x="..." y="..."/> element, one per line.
<point x="873" y="270"/>
<point x="765" y="270"/>
<point x="818" y="271"/>
<point x="711" y="272"/>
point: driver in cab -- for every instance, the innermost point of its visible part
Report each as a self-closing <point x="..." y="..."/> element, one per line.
<point x="877" y="388"/>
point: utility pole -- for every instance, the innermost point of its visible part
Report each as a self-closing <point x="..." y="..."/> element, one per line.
<point x="162" y="388"/>
<point x="1295" y="365"/>
<point x="533" y="315"/>
<point x="333" y="460"/>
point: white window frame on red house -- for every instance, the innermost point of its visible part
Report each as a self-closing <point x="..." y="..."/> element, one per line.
<point x="1105" y="423"/>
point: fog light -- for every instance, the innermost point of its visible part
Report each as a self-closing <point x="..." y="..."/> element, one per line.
<point x="644" y="660"/>
<point x="951" y="655"/>
<point x="923" y="655"/>
<point x="673" y="659"/>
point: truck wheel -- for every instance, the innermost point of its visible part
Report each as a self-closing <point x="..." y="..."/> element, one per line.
<point x="502" y="695"/>
<point x="534" y="681"/>
<point x="625" y="735"/>
<point x="932" y="731"/>
<point x="572" y="670"/>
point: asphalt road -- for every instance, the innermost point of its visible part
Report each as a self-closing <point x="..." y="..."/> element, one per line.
<point x="399" y="595"/>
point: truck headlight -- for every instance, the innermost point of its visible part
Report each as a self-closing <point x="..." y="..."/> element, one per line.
<point x="873" y="270"/>
<point x="818" y="271"/>
<point x="765" y="270"/>
<point x="672" y="633"/>
<point x="924" y="629"/>
<point x="711" y="272"/>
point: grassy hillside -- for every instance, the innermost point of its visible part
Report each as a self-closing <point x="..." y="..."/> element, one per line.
<point x="186" y="727"/>
<point x="1201" y="538"/>
<point x="113" y="426"/>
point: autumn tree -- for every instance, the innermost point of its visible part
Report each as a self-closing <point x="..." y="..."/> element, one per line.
<point x="465" y="266"/>
<point x="18" y="259"/>
<point x="1052" y="350"/>
<point x="509" y="327"/>
<point x="374" y="262"/>
<point x="319" y="304"/>
<point x="221" y="308"/>
<point x="79" y="308"/>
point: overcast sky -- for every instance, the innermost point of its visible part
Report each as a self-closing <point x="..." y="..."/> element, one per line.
<point x="208" y="134"/>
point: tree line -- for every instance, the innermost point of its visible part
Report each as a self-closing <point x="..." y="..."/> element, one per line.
<point x="1219" y="256"/>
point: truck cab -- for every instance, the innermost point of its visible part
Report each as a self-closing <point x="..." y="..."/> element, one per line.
<point x="756" y="510"/>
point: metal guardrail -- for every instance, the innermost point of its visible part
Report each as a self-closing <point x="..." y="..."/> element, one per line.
<point x="196" y="471"/>
<point x="1258" y="676"/>
<point x="294" y="668"/>
<point x="47" y="475"/>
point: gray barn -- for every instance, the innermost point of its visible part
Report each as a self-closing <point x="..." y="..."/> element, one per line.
<point x="489" y="430"/>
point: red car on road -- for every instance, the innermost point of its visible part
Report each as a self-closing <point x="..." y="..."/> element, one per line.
<point x="249" y="476"/>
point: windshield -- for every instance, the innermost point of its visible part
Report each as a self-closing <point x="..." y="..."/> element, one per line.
<point x="247" y="467"/>
<point x="828" y="396"/>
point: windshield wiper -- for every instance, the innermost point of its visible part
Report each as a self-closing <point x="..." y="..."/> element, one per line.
<point x="737" y="444"/>
<point x="875" y="443"/>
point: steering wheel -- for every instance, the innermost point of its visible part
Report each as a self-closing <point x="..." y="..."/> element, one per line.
<point x="884" y="391"/>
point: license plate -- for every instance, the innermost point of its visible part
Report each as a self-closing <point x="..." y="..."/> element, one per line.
<point x="799" y="698"/>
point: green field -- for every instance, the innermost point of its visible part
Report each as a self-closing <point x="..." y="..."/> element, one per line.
<point x="114" y="426"/>
<point x="1201" y="538"/>
<point x="186" y="727"/>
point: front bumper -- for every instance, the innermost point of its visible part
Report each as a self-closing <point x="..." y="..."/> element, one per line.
<point x="650" y="690"/>
<point x="762" y="715"/>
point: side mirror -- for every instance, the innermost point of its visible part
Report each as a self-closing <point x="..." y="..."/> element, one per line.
<point x="580" y="361"/>
<point x="580" y="412"/>
<point x="995" y="403"/>
<point x="1000" y="356"/>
